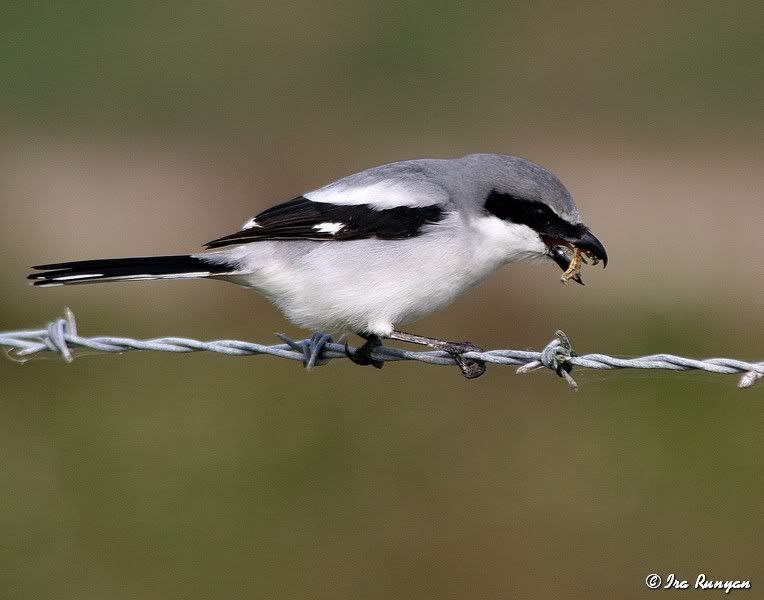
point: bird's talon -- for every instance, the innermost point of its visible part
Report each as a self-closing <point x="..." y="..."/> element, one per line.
<point x="459" y="347"/>
<point x="471" y="368"/>
<point x="362" y="356"/>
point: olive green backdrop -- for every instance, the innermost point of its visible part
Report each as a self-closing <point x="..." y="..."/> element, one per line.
<point x="137" y="128"/>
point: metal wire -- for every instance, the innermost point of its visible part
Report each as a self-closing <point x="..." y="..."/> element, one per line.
<point x="61" y="337"/>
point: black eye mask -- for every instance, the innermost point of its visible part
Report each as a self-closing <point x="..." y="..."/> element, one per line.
<point x="533" y="213"/>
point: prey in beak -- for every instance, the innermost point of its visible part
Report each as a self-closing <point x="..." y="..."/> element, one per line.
<point x="571" y="251"/>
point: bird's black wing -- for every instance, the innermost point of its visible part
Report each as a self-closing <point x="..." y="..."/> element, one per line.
<point x="304" y="219"/>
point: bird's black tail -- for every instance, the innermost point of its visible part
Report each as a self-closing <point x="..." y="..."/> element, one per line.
<point x="126" y="269"/>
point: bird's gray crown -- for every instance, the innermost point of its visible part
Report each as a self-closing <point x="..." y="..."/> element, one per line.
<point x="519" y="178"/>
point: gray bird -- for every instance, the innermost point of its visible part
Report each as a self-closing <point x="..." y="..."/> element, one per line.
<point x="380" y="248"/>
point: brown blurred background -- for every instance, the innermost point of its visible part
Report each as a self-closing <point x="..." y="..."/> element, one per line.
<point x="137" y="128"/>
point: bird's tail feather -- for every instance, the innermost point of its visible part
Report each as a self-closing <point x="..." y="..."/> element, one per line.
<point x="126" y="269"/>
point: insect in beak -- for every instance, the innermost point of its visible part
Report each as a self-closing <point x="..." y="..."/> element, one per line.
<point x="571" y="253"/>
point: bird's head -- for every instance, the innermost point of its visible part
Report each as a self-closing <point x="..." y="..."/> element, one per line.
<point x="535" y="211"/>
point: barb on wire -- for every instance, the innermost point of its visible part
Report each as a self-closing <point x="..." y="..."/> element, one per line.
<point x="61" y="337"/>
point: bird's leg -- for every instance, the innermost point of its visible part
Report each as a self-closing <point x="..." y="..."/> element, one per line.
<point x="471" y="367"/>
<point x="362" y="356"/>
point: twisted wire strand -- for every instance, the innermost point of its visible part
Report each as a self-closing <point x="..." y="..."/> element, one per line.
<point x="61" y="337"/>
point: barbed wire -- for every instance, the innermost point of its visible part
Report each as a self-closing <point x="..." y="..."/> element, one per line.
<point x="61" y="337"/>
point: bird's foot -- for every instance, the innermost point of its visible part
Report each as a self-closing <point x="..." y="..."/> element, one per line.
<point x="362" y="356"/>
<point x="471" y="368"/>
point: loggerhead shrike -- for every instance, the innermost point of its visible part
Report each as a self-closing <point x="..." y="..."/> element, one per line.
<point x="380" y="248"/>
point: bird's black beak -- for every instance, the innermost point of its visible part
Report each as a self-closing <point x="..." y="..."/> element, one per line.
<point x="588" y="243"/>
<point x="579" y="237"/>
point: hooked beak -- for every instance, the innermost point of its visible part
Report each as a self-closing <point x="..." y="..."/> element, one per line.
<point x="581" y="238"/>
<point x="586" y="242"/>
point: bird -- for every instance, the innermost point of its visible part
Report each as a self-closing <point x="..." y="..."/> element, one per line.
<point x="381" y="248"/>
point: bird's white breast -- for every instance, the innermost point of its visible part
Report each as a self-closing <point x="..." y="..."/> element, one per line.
<point x="373" y="285"/>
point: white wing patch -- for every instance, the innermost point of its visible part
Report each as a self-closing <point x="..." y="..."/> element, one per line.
<point x="380" y="195"/>
<point x="250" y="224"/>
<point x="73" y="277"/>
<point x="331" y="228"/>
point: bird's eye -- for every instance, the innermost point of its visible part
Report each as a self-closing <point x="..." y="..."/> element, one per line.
<point x="540" y="214"/>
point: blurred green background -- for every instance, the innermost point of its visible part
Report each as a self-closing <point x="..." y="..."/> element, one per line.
<point x="137" y="128"/>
